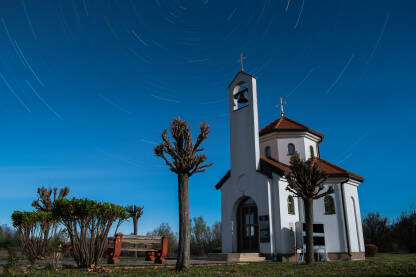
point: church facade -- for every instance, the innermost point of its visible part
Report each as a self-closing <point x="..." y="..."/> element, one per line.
<point x="258" y="214"/>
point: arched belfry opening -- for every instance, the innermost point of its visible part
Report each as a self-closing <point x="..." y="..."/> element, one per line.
<point x="247" y="226"/>
<point x="241" y="96"/>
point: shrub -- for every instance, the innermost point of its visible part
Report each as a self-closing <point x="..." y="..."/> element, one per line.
<point x="370" y="250"/>
<point x="88" y="223"/>
<point x="33" y="232"/>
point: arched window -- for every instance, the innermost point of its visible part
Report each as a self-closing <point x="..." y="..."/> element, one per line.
<point x="329" y="205"/>
<point x="312" y="151"/>
<point x="267" y="152"/>
<point x="291" y="149"/>
<point x="290" y="205"/>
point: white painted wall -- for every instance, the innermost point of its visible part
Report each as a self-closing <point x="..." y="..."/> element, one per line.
<point x="273" y="148"/>
<point x="286" y="238"/>
<point x="254" y="185"/>
<point x="333" y="224"/>
<point x="308" y="143"/>
<point x="279" y="145"/>
<point x="282" y="144"/>
<point x="355" y="228"/>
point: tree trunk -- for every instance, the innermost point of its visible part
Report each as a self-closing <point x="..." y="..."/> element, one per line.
<point x="135" y="220"/>
<point x="135" y="226"/>
<point x="309" y="257"/>
<point x="183" y="260"/>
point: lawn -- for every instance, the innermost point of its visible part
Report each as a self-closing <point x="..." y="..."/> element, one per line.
<point x="381" y="265"/>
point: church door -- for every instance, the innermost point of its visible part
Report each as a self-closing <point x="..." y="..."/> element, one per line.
<point x="248" y="228"/>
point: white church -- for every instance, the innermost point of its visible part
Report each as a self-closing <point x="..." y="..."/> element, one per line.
<point x="258" y="214"/>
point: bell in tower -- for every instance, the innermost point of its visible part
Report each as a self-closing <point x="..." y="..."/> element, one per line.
<point x="241" y="97"/>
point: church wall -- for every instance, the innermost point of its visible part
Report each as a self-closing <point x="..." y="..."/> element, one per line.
<point x="275" y="214"/>
<point x="286" y="238"/>
<point x="283" y="143"/>
<point x="273" y="148"/>
<point x="308" y="143"/>
<point x="248" y="184"/>
<point x="333" y="223"/>
<point x="354" y="217"/>
<point x="243" y="151"/>
<point x="227" y="228"/>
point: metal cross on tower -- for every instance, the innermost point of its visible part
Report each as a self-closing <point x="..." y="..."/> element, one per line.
<point x="282" y="103"/>
<point x="242" y="58"/>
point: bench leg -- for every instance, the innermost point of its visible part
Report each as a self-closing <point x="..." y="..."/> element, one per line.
<point x="161" y="255"/>
<point x="160" y="260"/>
<point x="110" y="257"/>
<point x="113" y="260"/>
<point x="114" y="249"/>
<point x="150" y="256"/>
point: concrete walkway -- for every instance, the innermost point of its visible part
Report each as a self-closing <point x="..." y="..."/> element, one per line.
<point x="122" y="262"/>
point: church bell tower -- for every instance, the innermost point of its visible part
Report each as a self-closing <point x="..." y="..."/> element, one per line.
<point x="244" y="129"/>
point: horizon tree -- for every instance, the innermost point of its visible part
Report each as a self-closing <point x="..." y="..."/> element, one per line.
<point x="306" y="180"/>
<point x="185" y="160"/>
<point x="134" y="212"/>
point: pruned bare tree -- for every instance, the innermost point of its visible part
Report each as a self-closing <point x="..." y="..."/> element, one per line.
<point x="45" y="199"/>
<point x="135" y="212"/>
<point x="185" y="160"/>
<point x="306" y="180"/>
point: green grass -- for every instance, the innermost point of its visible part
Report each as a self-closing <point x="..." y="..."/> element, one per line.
<point x="381" y="265"/>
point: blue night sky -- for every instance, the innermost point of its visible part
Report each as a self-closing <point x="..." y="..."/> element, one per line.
<point x="87" y="86"/>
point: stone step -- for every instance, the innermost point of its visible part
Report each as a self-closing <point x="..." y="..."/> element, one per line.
<point x="237" y="257"/>
<point x="252" y="259"/>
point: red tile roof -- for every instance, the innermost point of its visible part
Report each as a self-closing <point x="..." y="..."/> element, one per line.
<point x="276" y="164"/>
<point x="333" y="170"/>
<point x="268" y="165"/>
<point x="284" y="124"/>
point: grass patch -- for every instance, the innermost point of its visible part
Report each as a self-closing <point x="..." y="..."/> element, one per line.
<point x="382" y="265"/>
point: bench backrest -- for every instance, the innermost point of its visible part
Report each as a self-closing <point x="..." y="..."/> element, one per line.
<point x="137" y="243"/>
<point x="144" y="240"/>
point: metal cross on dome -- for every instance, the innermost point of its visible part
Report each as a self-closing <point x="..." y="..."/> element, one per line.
<point x="241" y="60"/>
<point x="282" y="103"/>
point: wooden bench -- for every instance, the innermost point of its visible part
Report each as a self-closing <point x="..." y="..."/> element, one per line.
<point x="155" y="248"/>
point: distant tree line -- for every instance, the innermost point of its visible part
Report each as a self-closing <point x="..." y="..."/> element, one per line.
<point x="8" y="237"/>
<point x="204" y="239"/>
<point x="399" y="235"/>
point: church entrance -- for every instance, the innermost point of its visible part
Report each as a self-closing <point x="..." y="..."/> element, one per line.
<point x="248" y="228"/>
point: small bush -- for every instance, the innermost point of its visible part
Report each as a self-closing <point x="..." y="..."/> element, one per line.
<point x="370" y="250"/>
<point x="88" y="223"/>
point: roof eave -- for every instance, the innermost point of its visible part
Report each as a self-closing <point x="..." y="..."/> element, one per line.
<point x="347" y="175"/>
<point x="240" y="72"/>
<point x="321" y="136"/>
<point x="223" y="180"/>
